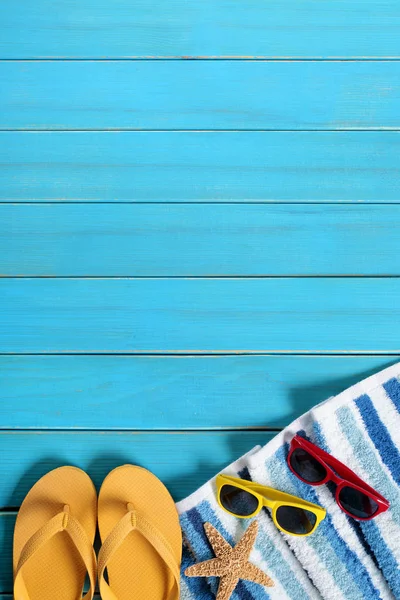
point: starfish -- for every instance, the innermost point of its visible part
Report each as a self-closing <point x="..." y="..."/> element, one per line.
<point x="230" y="564"/>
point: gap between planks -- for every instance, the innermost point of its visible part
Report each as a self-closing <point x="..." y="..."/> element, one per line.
<point x="254" y="130"/>
<point x="196" y="277"/>
<point x="215" y="130"/>
<point x="193" y="354"/>
<point x="227" y="58"/>
<point x="162" y="277"/>
<point x="305" y="203"/>
<point x="160" y="430"/>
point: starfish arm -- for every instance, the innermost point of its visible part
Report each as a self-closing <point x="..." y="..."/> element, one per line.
<point x="226" y="587"/>
<point x="220" y="546"/>
<point x="208" y="568"/>
<point x="252" y="573"/>
<point x="245" y="545"/>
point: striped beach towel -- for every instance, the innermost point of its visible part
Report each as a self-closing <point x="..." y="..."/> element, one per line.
<point x="344" y="559"/>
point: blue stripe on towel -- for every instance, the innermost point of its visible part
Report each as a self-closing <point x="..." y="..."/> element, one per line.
<point x="346" y="558"/>
<point x="193" y="529"/>
<point x="356" y="526"/>
<point x="245" y="591"/>
<point x="387" y="561"/>
<point x="379" y="435"/>
<point x="392" y="388"/>
<point x="280" y="567"/>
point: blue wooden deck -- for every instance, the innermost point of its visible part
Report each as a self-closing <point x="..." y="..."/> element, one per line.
<point x="200" y="218"/>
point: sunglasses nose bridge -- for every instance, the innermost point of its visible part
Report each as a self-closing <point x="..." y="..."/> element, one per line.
<point x="332" y="476"/>
<point x="341" y="483"/>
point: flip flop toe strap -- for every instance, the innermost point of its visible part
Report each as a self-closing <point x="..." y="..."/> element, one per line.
<point x="133" y="521"/>
<point x="63" y="521"/>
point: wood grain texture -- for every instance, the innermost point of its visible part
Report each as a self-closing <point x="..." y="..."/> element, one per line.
<point x="183" y="461"/>
<point x="200" y="315"/>
<point x="199" y="95"/>
<point x="150" y="393"/>
<point x="200" y="166"/>
<point x="179" y="28"/>
<point x="199" y="240"/>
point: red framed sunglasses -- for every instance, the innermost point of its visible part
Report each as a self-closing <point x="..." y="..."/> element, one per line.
<point x="314" y="466"/>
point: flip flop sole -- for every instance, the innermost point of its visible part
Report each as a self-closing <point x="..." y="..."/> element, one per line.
<point x="56" y="570"/>
<point x="136" y="571"/>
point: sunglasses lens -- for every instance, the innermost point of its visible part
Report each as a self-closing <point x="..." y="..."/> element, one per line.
<point x="238" y="501"/>
<point x="295" y="520"/>
<point x="356" y="503"/>
<point x="306" y="466"/>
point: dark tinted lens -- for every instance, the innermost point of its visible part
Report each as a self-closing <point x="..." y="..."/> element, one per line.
<point x="306" y="466"/>
<point x="237" y="501"/>
<point x="295" y="520"/>
<point x="358" y="504"/>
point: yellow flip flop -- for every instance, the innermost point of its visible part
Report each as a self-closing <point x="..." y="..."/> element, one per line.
<point x="53" y="538"/>
<point x="141" y="537"/>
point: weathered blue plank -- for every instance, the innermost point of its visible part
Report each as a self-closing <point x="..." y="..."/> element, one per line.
<point x="191" y="239"/>
<point x="7" y="522"/>
<point x="200" y="166"/>
<point x="200" y="315"/>
<point x="182" y="461"/>
<point x="149" y="393"/>
<point x="98" y="29"/>
<point x="199" y="95"/>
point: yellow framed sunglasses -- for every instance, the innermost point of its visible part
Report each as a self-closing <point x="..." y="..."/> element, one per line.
<point x="244" y="499"/>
